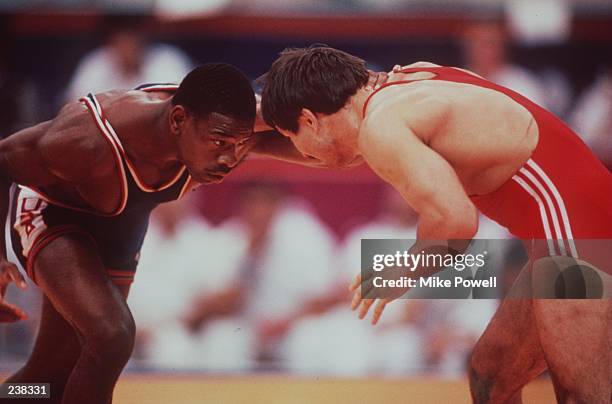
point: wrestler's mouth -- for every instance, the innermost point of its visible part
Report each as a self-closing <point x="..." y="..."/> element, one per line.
<point x="208" y="177"/>
<point x="313" y="160"/>
<point x="309" y="157"/>
<point x="214" y="176"/>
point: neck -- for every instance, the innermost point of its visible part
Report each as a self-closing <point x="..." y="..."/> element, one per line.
<point x="363" y="94"/>
<point x="358" y="101"/>
<point x="160" y="148"/>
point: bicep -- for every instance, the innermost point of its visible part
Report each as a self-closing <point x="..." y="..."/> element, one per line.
<point x="21" y="162"/>
<point x="423" y="177"/>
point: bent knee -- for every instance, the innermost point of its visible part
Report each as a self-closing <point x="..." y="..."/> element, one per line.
<point x="111" y="340"/>
<point x="480" y="385"/>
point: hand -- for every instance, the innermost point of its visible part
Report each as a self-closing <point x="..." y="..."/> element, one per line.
<point x="365" y="304"/>
<point x="9" y="273"/>
<point x="365" y="294"/>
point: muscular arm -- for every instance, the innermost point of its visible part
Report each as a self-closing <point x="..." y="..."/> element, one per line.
<point x="423" y="177"/>
<point x="19" y="162"/>
<point x="447" y="217"/>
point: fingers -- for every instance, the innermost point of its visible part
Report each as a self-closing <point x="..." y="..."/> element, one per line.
<point x="378" y="310"/>
<point x="364" y="304"/>
<point x="356" y="299"/>
<point x="16" y="276"/>
<point x="368" y="290"/>
<point x="365" y="307"/>
<point x="10" y="313"/>
<point x="10" y="273"/>
<point x="355" y="284"/>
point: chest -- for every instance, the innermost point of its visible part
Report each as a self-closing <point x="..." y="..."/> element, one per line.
<point x="117" y="191"/>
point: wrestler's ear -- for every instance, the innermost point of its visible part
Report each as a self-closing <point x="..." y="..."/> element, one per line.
<point x="308" y="119"/>
<point x="177" y="118"/>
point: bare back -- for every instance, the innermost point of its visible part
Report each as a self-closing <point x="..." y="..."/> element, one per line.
<point x="482" y="133"/>
<point x="72" y="162"/>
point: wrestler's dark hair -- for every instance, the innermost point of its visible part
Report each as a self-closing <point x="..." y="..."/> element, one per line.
<point x="318" y="78"/>
<point x="217" y="87"/>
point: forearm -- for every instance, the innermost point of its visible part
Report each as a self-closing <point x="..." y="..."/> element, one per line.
<point x="441" y="223"/>
<point x="452" y="231"/>
<point x="221" y="304"/>
<point x="273" y="145"/>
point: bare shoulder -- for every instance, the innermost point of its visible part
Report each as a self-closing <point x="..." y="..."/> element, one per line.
<point x="421" y="109"/>
<point x="73" y="148"/>
<point x="415" y="65"/>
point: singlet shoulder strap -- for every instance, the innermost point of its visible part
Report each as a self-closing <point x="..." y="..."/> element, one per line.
<point x="441" y="73"/>
<point x="93" y="106"/>
<point x="104" y="125"/>
<point x="158" y="87"/>
<point x="393" y="83"/>
<point x="110" y="133"/>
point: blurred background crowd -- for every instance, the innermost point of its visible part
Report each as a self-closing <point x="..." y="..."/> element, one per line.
<point x="251" y="275"/>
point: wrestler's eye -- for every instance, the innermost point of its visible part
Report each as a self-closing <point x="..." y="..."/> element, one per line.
<point x="220" y="143"/>
<point x="245" y="141"/>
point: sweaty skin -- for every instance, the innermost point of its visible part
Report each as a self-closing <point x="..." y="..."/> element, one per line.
<point x="440" y="143"/>
<point x="70" y="160"/>
<point x="436" y="142"/>
<point x="86" y="331"/>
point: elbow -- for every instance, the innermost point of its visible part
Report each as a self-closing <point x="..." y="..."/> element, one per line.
<point x="465" y="228"/>
<point x="464" y="223"/>
<point x="459" y="224"/>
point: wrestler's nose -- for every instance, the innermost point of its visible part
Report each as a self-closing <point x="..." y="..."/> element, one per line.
<point x="228" y="159"/>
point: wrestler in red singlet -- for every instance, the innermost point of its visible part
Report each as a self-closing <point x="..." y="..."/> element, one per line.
<point x="562" y="194"/>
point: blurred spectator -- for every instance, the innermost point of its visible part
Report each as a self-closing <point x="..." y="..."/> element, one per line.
<point x="11" y="86"/>
<point x="352" y="347"/>
<point x="485" y="46"/>
<point x="414" y="336"/>
<point x="127" y="60"/>
<point x="276" y="258"/>
<point x="181" y="257"/>
<point x="592" y="116"/>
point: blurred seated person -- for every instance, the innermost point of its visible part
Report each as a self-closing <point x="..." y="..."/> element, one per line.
<point x="285" y="263"/>
<point x="485" y="52"/>
<point x="334" y="342"/>
<point x="440" y="331"/>
<point x="127" y="60"/>
<point x="12" y="88"/>
<point x="182" y="255"/>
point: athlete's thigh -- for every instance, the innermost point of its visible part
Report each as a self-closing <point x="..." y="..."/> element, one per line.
<point x="576" y="338"/>
<point x="508" y="354"/>
<point x="73" y="278"/>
